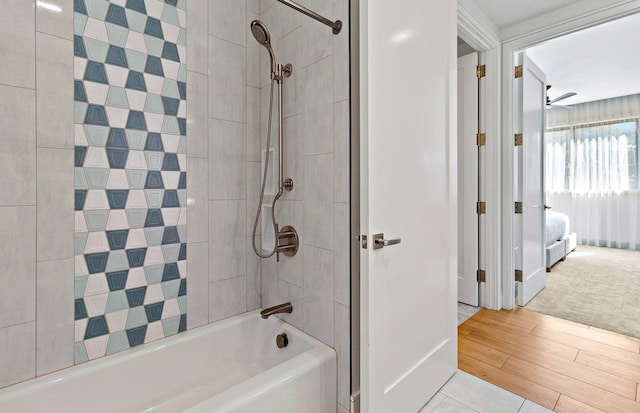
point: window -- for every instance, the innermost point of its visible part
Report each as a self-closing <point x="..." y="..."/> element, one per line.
<point x="593" y="158"/>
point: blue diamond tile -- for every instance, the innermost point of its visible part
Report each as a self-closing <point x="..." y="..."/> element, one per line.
<point x="154" y="180"/>
<point x="182" y="183"/>
<point x="136" y="335"/>
<point x="79" y="7"/>
<point x="183" y="252"/>
<point x="135" y="296"/>
<point x="95" y="72"/>
<point x="154" y="218"/>
<point x="79" y="94"/>
<point x="137" y="5"/>
<point x="117" y="139"/>
<point x="154" y="311"/>
<point x="170" y="162"/>
<point x="170" y="272"/>
<point x="136" y="257"/>
<point x="171" y="2"/>
<point x="136" y="121"/>
<point x="170" y="236"/>
<point x="117" y="57"/>
<point x="182" y="88"/>
<point x="117" y="157"/>
<point x="154" y="66"/>
<point x="117" y="280"/>
<point x="154" y="28"/>
<point x="80" y="197"/>
<point x="182" y="124"/>
<point x="170" y="106"/>
<point x="170" y="51"/>
<point x="183" y="287"/>
<point x="96" y="327"/>
<point x="117" y="239"/>
<point x="80" y="153"/>
<point x="78" y="47"/>
<point x="170" y="199"/>
<point x="80" y="309"/>
<point x="154" y="142"/>
<point x="183" y="317"/>
<point x="96" y="115"/>
<point x="96" y="262"/>
<point x="117" y="15"/>
<point x="135" y="81"/>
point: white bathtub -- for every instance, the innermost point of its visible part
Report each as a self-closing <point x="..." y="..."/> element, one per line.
<point x="230" y="366"/>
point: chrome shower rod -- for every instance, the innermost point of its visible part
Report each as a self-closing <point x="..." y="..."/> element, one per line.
<point x="336" y="26"/>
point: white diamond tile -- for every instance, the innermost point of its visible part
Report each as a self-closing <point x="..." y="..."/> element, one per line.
<point x="154" y="121"/>
<point x="96" y="92"/>
<point x="154" y="256"/>
<point x="182" y="220"/>
<point x="182" y="161"/>
<point x="170" y="68"/>
<point x="117" y="75"/>
<point x="96" y="199"/>
<point x="182" y="109"/>
<point x="136" y="199"/>
<point x="96" y="29"/>
<point x="96" y="242"/>
<point x="81" y="223"/>
<point x="154" y="8"/>
<point x="96" y="158"/>
<point x="97" y="347"/>
<point x="79" y="66"/>
<point x="170" y="309"/>
<point x="136" y="239"/>
<point x="96" y="284"/>
<point x="170" y="216"/>
<point x="136" y="99"/>
<point x="154" y="83"/>
<point x="182" y="267"/>
<point x="182" y="18"/>
<point x="117" y="179"/>
<point x="136" y="160"/>
<point x="96" y="304"/>
<point x="80" y="265"/>
<point x="136" y="278"/>
<point x="182" y="53"/>
<point x="120" y="3"/>
<point x="135" y="41"/>
<point x="170" y="32"/>
<point x="170" y="143"/>
<point x="117" y="220"/>
<point x="80" y="135"/>
<point x="117" y="116"/>
<point x="171" y="179"/>
<point x="154" y="332"/>
<point x="154" y="294"/>
<point x="117" y="320"/>
<point x="80" y="327"/>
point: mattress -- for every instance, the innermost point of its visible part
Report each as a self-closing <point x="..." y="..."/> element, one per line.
<point x="557" y="227"/>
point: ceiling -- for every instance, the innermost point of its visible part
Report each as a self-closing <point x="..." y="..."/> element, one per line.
<point x="597" y="63"/>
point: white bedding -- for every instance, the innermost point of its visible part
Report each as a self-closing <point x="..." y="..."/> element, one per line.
<point x="557" y="226"/>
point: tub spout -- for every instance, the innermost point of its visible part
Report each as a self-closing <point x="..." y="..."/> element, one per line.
<point x="281" y="308"/>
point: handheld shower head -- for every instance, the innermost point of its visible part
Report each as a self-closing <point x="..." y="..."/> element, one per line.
<point x="261" y="34"/>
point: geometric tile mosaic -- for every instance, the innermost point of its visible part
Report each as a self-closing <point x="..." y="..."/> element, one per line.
<point x="130" y="175"/>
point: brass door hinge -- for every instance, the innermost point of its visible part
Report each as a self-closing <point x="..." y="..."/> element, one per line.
<point x="481" y="276"/>
<point x="481" y="139"/>
<point x="518" y="207"/>
<point x="519" y="275"/>
<point x="518" y="139"/>
<point x="518" y="71"/>
<point x="481" y="71"/>
<point x="481" y="207"/>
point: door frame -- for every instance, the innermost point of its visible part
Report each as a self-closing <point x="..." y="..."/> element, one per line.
<point x="518" y="38"/>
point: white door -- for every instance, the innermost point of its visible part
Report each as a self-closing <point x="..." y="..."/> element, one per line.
<point x="531" y="100"/>
<point x="467" y="179"/>
<point x="408" y="191"/>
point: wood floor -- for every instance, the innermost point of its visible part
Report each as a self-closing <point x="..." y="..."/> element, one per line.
<point x="561" y="365"/>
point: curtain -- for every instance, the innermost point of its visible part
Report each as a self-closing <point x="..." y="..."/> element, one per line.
<point x="591" y="172"/>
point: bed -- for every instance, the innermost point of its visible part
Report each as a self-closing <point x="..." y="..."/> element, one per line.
<point x="560" y="241"/>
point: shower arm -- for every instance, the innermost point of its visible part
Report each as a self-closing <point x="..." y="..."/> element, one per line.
<point x="336" y="26"/>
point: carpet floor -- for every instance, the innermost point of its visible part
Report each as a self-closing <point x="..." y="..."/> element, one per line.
<point x="596" y="286"/>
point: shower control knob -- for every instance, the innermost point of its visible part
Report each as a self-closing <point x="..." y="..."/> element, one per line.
<point x="282" y="340"/>
<point x="288" y="184"/>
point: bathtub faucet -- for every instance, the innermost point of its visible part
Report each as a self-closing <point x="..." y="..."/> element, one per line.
<point x="280" y="308"/>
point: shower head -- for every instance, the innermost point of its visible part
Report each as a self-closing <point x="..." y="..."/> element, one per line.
<point x="261" y="34"/>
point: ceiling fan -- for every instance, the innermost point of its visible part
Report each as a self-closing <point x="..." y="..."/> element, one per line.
<point x="550" y="102"/>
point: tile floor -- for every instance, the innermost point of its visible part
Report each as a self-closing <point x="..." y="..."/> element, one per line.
<point x="465" y="312"/>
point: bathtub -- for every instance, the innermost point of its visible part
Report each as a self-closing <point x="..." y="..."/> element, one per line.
<point x="230" y="366"/>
